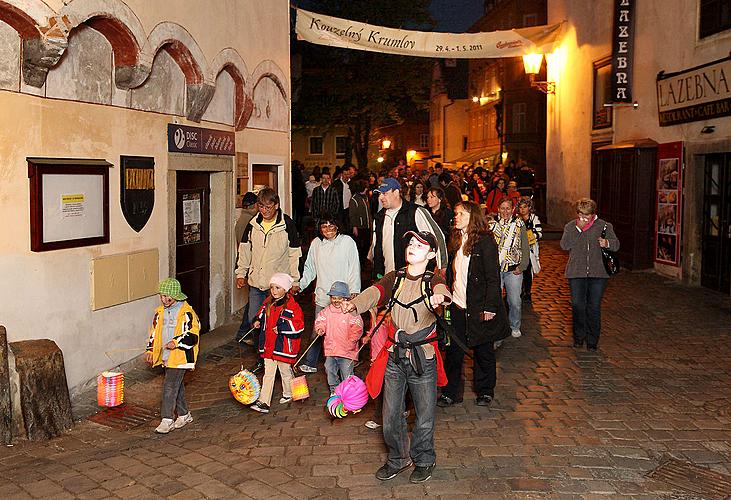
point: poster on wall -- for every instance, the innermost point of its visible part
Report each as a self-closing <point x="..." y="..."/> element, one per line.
<point x="668" y="210"/>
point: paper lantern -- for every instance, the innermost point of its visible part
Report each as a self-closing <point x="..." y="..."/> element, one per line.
<point x="110" y="389"/>
<point x="335" y="407"/>
<point x="353" y="393"/>
<point x="245" y="387"/>
<point x="300" y="390"/>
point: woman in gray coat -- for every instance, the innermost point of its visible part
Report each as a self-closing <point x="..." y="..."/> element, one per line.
<point x="585" y="270"/>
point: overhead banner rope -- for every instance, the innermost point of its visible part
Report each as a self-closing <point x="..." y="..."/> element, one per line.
<point x="336" y="32"/>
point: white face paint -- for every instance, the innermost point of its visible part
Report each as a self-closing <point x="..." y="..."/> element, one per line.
<point x="418" y="252"/>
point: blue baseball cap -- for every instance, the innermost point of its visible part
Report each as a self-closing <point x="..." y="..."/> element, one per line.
<point x="339" y="289"/>
<point x="388" y="184"/>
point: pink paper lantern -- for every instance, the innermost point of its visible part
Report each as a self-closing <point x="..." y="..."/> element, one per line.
<point x="353" y="393"/>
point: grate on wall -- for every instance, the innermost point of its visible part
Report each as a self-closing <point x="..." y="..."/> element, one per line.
<point x="692" y="478"/>
<point x="123" y="417"/>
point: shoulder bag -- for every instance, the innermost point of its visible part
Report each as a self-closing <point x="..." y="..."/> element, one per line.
<point x="610" y="259"/>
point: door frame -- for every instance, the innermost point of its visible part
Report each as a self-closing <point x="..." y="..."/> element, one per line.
<point x="222" y="204"/>
<point x="694" y="175"/>
<point x="280" y="162"/>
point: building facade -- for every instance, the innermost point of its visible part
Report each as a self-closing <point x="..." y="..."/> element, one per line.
<point x="641" y="120"/>
<point x="129" y="132"/>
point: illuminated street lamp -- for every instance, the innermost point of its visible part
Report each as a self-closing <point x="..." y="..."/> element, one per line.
<point x="532" y="65"/>
<point x="379" y="159"/>
<point x="386" y="144"/>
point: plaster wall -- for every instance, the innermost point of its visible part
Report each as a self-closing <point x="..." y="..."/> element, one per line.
<point x="10" y="52"/>
<point x="665" y="39"/>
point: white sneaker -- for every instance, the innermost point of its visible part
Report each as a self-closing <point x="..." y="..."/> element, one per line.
<point x="497" y="344"/>
<point x="182" y="420"/>
<point x="516" y="333"/>
<point x="307" y="369"/>
<point x="166" y="425"/>
<point x="372" y="425"/>
<point x="284" y="401"/>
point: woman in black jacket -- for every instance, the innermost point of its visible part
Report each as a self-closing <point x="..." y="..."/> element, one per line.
<point x="439" y="207"/>
<point x="477" y="310"/>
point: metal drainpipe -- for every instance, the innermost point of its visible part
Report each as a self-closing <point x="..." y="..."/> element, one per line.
<point x="444" y="130"/>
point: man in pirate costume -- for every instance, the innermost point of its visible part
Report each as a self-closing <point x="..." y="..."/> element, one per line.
<point x="410" y="358"/>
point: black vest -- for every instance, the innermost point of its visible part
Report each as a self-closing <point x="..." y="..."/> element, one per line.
<point x="405" y="221"/>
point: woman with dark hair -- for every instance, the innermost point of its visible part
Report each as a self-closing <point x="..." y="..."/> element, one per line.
<point x="417" y="193"/>
<point x="495" y="196"/>
<point x="477" y="310"/>
<point x="332" y="257"/>
<point x="437" y="203"/>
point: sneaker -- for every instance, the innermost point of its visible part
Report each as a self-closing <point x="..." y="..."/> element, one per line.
<point x="284" y="401"/>
<point x="182" y="420"/>
<point x="496" y="345"/>
<point x="166" y="425"/>
<point x="445" y="401"/>
<point x="260" y="407"/>
<point x="307" y="369"/>
<point x="421" y="473"/>
<point x="483" y="400"/>
<point x="371" y="424"/>
<point x="516" y="333"/>
<point x="387" y="472"/>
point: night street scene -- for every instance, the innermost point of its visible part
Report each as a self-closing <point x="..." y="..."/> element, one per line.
<point x="355" y="249"/>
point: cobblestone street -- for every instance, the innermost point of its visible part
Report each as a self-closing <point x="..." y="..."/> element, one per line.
<point x="565" y="423"/>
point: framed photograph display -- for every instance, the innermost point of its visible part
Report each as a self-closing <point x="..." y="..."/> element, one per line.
<point x="69" y="203"/>
<point x="668" y="209"/>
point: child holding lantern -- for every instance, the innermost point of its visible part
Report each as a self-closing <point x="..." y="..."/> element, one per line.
<point x="281" y="322"/>
<point x="342" y="332"/>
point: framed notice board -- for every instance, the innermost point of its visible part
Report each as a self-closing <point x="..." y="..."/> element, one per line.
<point x="69" y="203"/>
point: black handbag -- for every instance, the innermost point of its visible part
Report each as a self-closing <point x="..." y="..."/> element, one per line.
<point x="610" y="259"/>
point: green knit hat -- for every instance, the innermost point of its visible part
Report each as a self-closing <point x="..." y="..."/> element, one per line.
<point x="171" y="288"/>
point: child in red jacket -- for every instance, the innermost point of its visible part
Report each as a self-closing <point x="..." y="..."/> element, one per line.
<point x="342" y="332"/>
<point x="281" y="322"/>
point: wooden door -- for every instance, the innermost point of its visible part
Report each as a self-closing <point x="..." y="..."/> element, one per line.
<point x="192" y="261"/>
<point x="716" y="236"/>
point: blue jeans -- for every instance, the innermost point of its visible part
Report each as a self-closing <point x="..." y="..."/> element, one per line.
<point x="337" y="369"/>
<point x="312" y="358"/>
<point x="400" y="375"/>
<point x="513" y="284"/>
<point x="586" y="301"/>
<point x="256" y="299"/>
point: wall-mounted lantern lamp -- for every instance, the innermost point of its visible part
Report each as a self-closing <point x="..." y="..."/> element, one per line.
<point x="386" y="144"/>
<point x="532" y="65"/>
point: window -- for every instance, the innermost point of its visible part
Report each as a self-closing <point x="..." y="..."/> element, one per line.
<point x="520" y="110"/>
<point x="464" y="143"/>
<point x="316" y="145"/>
<point x="341" y="145"/>
<point x="602" y="117"/>
<point x="715" y="17"/>
<point x="424" y="141"/>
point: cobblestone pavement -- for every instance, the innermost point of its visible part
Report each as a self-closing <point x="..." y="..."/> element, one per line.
<point x="565" y="423"/>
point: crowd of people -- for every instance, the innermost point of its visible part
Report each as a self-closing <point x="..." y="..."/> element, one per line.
<point x="442" y="249"/>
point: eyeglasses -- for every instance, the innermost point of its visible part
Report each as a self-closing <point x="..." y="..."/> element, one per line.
<point x="266" y="207"/>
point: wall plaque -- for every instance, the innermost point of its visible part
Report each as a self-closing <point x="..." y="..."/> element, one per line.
<point x="622" y="50"/>
<point x="185" y="139"/>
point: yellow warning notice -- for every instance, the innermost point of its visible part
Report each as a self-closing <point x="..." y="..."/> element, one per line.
<point x="72" y="198"/>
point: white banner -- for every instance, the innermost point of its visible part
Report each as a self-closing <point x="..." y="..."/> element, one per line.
<point x="336" y="32"/>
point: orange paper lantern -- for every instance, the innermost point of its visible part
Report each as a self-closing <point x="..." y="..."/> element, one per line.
<point x="300" y="390"/>
<point x="110" y="389"/>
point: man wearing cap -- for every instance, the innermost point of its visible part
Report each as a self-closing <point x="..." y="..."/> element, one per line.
<point x="396" y="218"/>
<point x="270" y="244"/>
<point x="410" y="358"/>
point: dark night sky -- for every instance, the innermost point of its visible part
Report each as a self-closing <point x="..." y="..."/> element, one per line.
<point x="456" y="16"/>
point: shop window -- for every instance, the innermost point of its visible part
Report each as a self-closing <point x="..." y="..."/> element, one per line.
<point x="530" y="20"/>
<point x="602" y="115"/>
<point x="316" y="145"/>
<point x="715" y="17"/>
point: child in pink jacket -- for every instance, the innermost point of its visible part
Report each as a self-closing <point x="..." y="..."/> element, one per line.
<point x="342" y="332"/>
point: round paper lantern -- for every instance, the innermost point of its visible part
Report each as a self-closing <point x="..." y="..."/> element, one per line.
<point x="110" y="389"/>
<point x="299" y="387"/>
<point x="335" y="407"/>
<point x="353" y="393"/>
<point x="244" y="387"/>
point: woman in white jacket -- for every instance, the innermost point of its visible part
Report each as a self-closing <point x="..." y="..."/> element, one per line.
<point x="535" y="233"/>
<point x="332" y="257"/>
